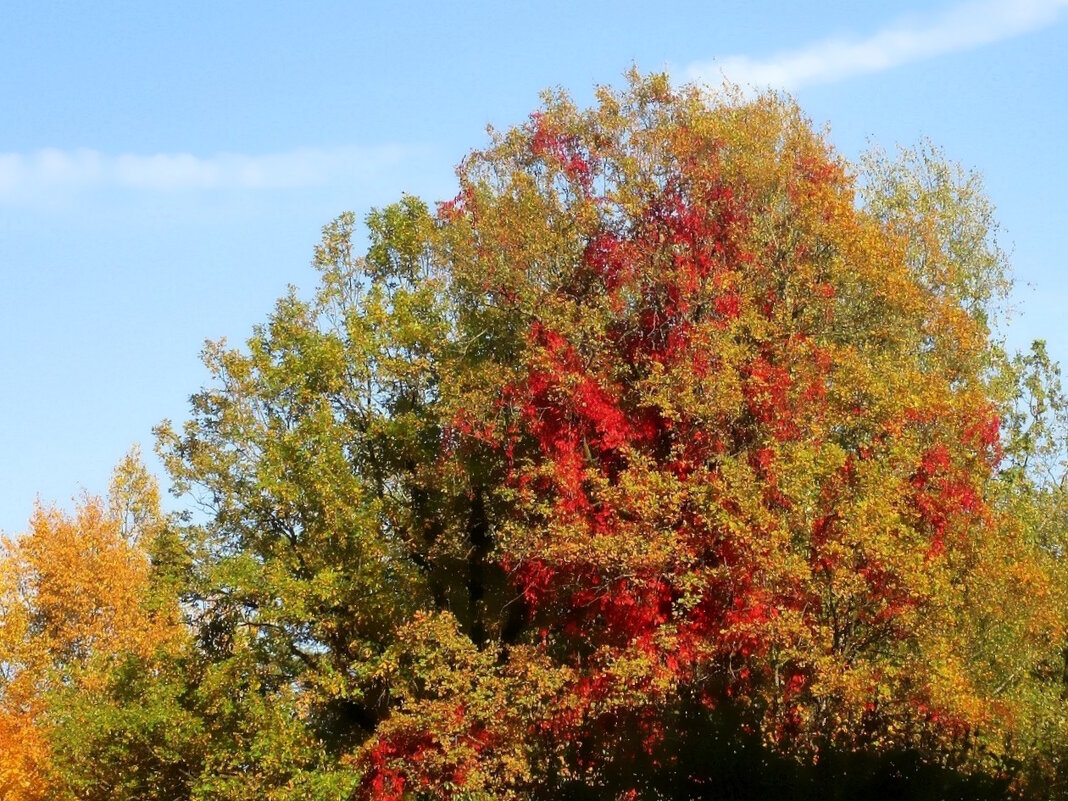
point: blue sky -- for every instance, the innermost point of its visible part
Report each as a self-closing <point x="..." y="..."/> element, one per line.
<point x="165" y="168"/>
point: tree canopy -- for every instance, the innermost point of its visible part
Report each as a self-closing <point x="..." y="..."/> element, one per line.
<point x="673" y="457"/>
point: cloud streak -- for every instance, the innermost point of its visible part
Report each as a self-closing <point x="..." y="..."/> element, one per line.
<point x="47" y="172"/>
<point x="960" y="27"/>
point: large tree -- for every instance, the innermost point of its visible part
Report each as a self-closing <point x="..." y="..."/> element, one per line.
<point x="660" y="462"/>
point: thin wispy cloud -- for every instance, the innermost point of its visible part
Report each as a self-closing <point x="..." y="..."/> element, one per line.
<point x="960" y="27"/>
<point x="25" y="177"/>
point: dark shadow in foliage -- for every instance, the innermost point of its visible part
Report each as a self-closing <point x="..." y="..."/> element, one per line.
<point x="342" y="724"/>
<point x="710" y="757"/>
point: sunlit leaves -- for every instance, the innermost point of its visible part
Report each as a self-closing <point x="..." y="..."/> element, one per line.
<point x="658" y="442"/>
<point x="78" y="603"/>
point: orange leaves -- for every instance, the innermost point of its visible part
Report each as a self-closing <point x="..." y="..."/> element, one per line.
<point x="75" y="597"/>
<point x="85" y="580"/>
<point x="84" y="587"/>
<point x="24" y="756"/>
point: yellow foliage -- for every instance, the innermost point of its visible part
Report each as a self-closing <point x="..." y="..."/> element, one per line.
<point x="73" y="593"/>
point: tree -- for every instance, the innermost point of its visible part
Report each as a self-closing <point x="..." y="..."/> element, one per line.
<point x="655" y="441"/>
<point x="80" y="607"/>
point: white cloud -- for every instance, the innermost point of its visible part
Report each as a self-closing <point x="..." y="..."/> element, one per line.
<point x="958" y="28"/>
<point x="44" y="173"/>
